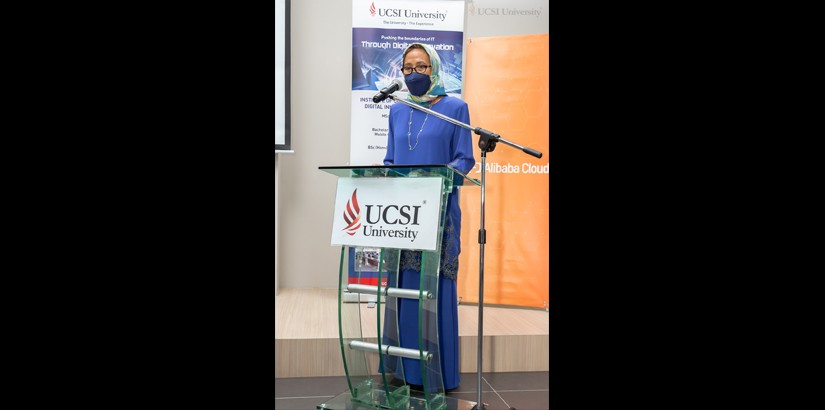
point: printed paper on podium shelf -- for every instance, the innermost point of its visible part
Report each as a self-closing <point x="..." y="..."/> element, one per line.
<point x="363" y="267"/>
<point x="399" y="213"/>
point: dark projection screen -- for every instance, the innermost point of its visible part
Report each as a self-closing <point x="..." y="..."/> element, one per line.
<point x="283" y="140"/>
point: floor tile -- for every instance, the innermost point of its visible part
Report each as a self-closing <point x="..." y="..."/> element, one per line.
<point x="491" y="399"/>
<point x="518" y="380"/>
<point x="300" y="404"/>
<point x="526" y="400"/>
<point x="520" y="390"/>
<point x="469" y="383"/>
<point x="504" y="381"/>
<point x="310" y="386"/>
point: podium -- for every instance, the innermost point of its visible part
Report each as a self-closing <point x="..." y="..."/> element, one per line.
<point x="384" y="217"/>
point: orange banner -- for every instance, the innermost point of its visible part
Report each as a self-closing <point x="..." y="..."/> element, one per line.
<point x="507" y="89"/>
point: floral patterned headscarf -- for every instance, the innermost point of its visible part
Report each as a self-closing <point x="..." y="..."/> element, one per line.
<point x="437" y="87"/>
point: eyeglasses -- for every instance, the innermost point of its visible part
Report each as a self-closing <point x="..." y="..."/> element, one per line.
<point x="421" y="69"/>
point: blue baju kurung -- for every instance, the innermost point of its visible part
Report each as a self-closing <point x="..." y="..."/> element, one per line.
<point x="434" y="142"/>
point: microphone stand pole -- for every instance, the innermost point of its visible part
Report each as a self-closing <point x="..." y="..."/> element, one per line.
<point x="487" y="143"/>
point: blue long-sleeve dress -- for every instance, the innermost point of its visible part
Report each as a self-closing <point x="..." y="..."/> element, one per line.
<point x="434" y="142"/>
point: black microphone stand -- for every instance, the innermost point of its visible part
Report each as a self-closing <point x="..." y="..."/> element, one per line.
<point x="487" y="141"/>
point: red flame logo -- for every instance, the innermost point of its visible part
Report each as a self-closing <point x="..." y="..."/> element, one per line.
<point x="352" y="215"/>
<point x="372" y="8"/>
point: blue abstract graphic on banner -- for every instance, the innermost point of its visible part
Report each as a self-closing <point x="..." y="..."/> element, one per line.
<point x="377" y="55"/>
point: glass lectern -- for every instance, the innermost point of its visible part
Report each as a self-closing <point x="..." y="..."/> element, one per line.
<point x="375" y="271"/>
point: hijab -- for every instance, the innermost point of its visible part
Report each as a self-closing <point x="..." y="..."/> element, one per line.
<point x="437" y="83"/>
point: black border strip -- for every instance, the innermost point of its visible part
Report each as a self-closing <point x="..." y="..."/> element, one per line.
<point x="287" y="146"/>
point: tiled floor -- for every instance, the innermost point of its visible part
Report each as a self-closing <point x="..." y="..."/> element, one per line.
<point x="500" y="391"/>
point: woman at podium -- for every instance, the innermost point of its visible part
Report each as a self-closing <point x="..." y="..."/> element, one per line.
<point x="415" y="137"/>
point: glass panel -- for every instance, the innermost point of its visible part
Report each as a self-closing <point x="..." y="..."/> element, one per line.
<point x="393" y="391"/>
<point x="413" y="321"/>
<point x="370" y="267"/>
<point x="349" y="329"/>
<point x="433" y="383"/>
<point x="403" y="171"/>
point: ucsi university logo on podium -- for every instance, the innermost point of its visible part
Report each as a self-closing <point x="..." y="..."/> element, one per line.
<point x="352" y="215"/>
<point x="400" y="213"/>
<point x="404" y="215"/>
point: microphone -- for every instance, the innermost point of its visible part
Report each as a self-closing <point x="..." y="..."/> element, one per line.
<point x="382" y="95"/>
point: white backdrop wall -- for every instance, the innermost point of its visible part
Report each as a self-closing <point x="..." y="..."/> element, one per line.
<point x="321" y="57"/>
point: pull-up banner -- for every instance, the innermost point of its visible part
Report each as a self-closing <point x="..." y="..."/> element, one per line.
<point x="381" y="31"/>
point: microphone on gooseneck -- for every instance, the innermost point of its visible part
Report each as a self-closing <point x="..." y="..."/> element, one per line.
<point x="385" y="92"/>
